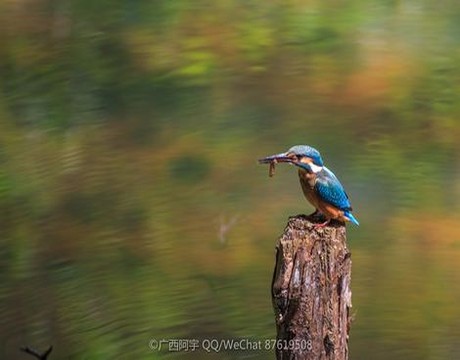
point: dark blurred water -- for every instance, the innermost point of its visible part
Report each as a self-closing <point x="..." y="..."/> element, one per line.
<point x="133" y="210"/>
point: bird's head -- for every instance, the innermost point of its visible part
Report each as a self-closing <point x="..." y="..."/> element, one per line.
<point x="303" y="156"/>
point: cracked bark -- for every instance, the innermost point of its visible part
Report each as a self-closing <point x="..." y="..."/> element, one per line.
<point x="311" y="292"/>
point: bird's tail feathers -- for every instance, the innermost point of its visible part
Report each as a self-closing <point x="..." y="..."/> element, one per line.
<point x="350" y="217"/>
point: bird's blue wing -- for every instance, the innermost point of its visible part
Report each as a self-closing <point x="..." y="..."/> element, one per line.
<point x="331" y="190"/>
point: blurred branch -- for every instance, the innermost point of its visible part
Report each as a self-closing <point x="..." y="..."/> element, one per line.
<point x="36" y="354"/>
<point x="225" y="227"/>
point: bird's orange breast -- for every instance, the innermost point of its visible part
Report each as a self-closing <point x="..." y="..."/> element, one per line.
<point x="307" y="181"/>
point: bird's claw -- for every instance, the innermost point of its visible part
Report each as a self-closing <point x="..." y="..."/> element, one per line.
<point x="323" y="224"/>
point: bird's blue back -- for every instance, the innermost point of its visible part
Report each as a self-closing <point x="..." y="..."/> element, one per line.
<point x="331" y="190"/>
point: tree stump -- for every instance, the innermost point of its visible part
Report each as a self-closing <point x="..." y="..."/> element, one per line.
<point x="311" y="291"/>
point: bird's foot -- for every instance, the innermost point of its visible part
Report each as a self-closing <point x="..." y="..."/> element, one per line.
<point x="321" y="225"/>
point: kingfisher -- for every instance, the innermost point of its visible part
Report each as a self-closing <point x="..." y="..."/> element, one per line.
<point x="319" y="184"/>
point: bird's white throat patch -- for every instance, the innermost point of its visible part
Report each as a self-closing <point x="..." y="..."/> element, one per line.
<point x="316" y="168"/>
<point x="313" y="167"/>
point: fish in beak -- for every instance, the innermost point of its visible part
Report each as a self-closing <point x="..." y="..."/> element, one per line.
<point x="274" y="159"/>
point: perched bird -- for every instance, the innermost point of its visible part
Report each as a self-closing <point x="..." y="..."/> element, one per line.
<point x="319" y="184"/>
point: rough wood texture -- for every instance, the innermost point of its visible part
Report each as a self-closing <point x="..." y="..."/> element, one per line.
<point x="311" y="291"/>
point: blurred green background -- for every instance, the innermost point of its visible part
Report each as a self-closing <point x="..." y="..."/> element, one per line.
<point x="132" y="206"/>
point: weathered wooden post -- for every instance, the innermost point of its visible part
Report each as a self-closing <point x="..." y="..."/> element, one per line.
<point x="311" y="291"/>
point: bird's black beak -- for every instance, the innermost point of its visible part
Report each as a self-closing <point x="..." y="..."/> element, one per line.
<point x="283" y="157"/>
